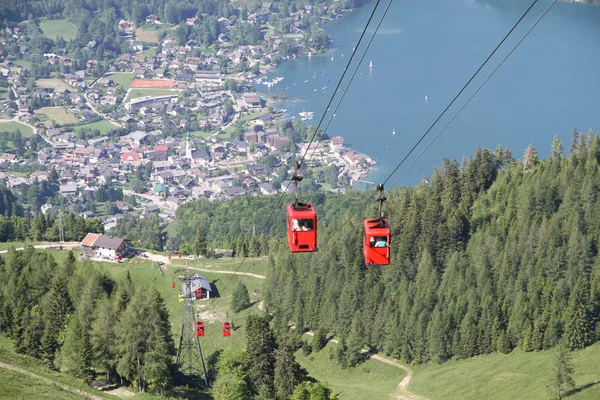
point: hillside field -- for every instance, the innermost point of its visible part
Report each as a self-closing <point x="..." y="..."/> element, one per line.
<point x="518" y="375"/>
<point x="135" y="93"/>
<point x="59" y="114"/>
<point x="369" y="380"/>
<point x="53" y="83"/>
<point x="54" y="28"/>
<point x="13" y="126"/>
<point x="103" y="126"/>
<point x="122" y="79"/>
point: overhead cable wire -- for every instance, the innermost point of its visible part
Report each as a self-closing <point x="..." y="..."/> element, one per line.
<point x="332" y="115"/>
<point x="280" y="200"/>
<point x="339" y="237"/>
<point x="474" y="93"/>
<point x="461" y="91"/>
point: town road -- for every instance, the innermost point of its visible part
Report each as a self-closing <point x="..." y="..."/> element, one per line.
<point x="164" y="206"/>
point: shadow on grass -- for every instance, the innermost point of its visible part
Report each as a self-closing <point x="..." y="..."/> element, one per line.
<point x="581" y="388"/>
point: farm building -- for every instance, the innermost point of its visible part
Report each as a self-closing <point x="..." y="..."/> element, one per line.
<point x="197" y="282"/>
<point x="97" y="245"/>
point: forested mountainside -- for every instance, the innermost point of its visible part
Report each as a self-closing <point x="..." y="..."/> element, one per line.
<point x="65" y="316"/>
<point x="489" y="257"/>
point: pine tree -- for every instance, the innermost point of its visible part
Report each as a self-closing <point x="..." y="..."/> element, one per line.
<point x="288" y="373"/>
<point x="200" y="245"/>
<point x="578" y="329"/>
<point x="144" y="343"/>
<point x="260" y="346"/>
<point x="103" y="339"/>
<point x="313" y="391"/>
<point x="240" y="298"/>
<point x="562" y="377"/>
<point x="75" y="354"/>
<point x="319" y="340"/>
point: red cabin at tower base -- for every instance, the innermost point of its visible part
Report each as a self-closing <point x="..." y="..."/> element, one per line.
<point x="302" y="228"/>
<point x="226" y="329"/>
<point x="199" y="328"/>
<point x="376" y="243"/>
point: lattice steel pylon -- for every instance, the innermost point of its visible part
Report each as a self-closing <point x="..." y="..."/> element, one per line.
<point x="189" y="355"/>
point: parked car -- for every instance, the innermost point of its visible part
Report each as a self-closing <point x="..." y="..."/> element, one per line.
<point x="191" y="257"/>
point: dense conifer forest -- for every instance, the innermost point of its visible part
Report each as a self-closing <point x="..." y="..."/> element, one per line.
<point x="491" y="255"/>
<point x="65" y="316"/>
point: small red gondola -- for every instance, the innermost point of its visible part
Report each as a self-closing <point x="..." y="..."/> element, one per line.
<point x="376" y="241"/>
<point x="172" y="285"/>
<point x="301" y="222"/>
<point x="199" y="328"/>
<point x="198" y="294"/>
<point x="226" y="329"/>
<point x="302" y="227"/>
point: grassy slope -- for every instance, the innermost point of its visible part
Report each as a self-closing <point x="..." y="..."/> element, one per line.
<point x="13" y="126"/>
<point x="21" y="386"/>
<point x="370" y="380"/>
<point x="58" y="114"/>
<point x="122" y="79"/>
<point x="103" y="126"/>
<point x="143" y="274"/>
<point x="58" y="27"/>
<point x="14" y="385"/>
<point x="518" y="375"/>
<point x="53" y="83"/>
<point x="135" y="93"/>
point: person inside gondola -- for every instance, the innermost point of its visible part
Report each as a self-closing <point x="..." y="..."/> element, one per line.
<point x="306" y="224"/>
<point x="295" y="225"/>
<point x="378" y="241"/>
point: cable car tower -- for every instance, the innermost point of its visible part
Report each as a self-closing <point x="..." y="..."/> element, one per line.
<point x="189" y="354"/>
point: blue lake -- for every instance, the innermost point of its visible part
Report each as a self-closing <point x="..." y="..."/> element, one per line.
<point x="424" y="52"/>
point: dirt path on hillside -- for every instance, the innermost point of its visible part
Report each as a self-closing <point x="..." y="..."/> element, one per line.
<point x="51" y="382"/>
<point x="401" y="392"/>
<point x="55" y="246"/>
<point x="167" y="263"/>
<point x="228" y="272"/>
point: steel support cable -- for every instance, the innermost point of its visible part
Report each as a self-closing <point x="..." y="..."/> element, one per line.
<point x="362" y="35"/>
<point x="442" y="130"/>
<point x="332" y="115"/>
<point x="474" y="93"/>
<point x="461" y="90"/>
<point x="277" y="205"/>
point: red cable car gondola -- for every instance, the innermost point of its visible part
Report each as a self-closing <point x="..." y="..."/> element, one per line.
<point x="199" y="328"/>
<point x="376" y="241"/>
<point x="198" y="294"/>
<point x="301" y="223"/>
<point x="226" y="329"/>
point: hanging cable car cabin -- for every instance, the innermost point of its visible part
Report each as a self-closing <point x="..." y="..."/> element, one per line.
<point x="301" y="222"/>
<point x="376" y="241"/>
<point x="199" y="328"/>
<point x="302" y="227"/>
